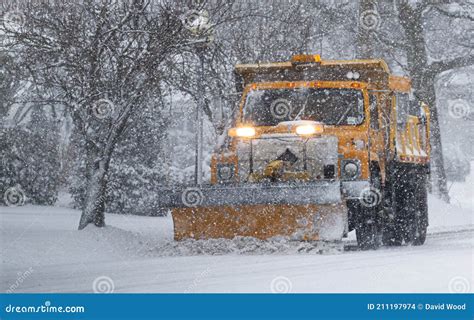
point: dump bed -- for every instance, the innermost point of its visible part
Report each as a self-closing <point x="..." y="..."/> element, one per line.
<point x="311" y="68"/>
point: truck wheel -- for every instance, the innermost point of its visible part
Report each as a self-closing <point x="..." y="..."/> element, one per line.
<point x="368" y="226"/>
<point x="418" y="220"/>
<point x="410" y="209"/>
<point x="420" y="235"/>
<point x="368" y="236"/>
<point x="392" y="237"/>
<point x="392" y="230"/>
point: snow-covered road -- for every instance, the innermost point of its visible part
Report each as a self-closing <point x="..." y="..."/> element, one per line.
<point x="41" y="252"/>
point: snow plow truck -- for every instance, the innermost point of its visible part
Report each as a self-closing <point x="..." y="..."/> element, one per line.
<point x="318" y="148"/>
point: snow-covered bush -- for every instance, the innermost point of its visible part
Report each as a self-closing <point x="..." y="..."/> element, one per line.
<point x="30" y="160"/>
<point x="133" y="189"/>
<point x="136" y="170"/>
<point x="457" y="164"/>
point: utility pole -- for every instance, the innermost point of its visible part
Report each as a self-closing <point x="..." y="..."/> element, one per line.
<point x="198" y="23"/>
<point x="200" y="119"/>
<point x="369" y="21"/>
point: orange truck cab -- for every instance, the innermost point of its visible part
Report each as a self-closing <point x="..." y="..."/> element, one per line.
<point x="318" y="148"/>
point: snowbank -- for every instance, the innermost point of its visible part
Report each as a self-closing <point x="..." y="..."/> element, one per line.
<point x="34" y="235"/>
<point x="43" y="252"/>
<point x="44" y="235"/>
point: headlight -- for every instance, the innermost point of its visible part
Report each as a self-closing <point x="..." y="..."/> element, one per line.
<point x="309" y="129"/>
<point x="225" y="172"/>
<point x="305" y="130"/>
<point x="245" y="132"/>
<point x="350" y="169"/>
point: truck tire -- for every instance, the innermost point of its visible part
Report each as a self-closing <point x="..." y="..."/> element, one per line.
<point x="391" y="237"/>
<point x="368" y="222"/>
<point x="410" y="209"/>
<point x="392" y="234"/>
<point x="418" y="220"/>
<point x="368" y="236"/>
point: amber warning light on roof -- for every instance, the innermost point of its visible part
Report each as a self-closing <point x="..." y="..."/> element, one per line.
<point x="305" y="58"/>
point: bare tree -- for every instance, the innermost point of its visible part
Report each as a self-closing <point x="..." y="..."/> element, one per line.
<point x="250" y="31"/>
<point x="100" y="60"/>
<point x="8" y="84"/>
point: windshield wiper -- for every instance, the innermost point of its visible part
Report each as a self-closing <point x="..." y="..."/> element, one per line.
<point x="303" y="108"/>
<point x="343" y="115"/>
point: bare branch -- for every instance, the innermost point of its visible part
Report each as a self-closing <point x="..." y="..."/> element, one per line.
<point x="461" y="14"/>
<point x="441" y="66"/>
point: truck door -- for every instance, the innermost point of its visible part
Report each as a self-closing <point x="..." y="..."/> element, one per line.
<point x="377" y="143"/>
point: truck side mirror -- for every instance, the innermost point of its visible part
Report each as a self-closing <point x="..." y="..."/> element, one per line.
<point x="422" y="116"/>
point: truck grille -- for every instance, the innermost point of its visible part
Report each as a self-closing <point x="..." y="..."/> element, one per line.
<point x="317" y="156"/>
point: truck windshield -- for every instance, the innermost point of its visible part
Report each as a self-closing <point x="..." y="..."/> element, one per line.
<point x="331" y="106"/>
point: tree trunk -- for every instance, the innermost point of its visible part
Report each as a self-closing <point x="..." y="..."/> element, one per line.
<point x="438" y="174"/>
<point x="97" y="172"/>
<point x="423" y="88"/>
<point x="94" y="207"/>
<point x="97" y="176"/>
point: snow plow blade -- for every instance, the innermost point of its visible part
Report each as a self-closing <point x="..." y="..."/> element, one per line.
<point x="309" y="211"/>
<point x="307" y="222"/>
